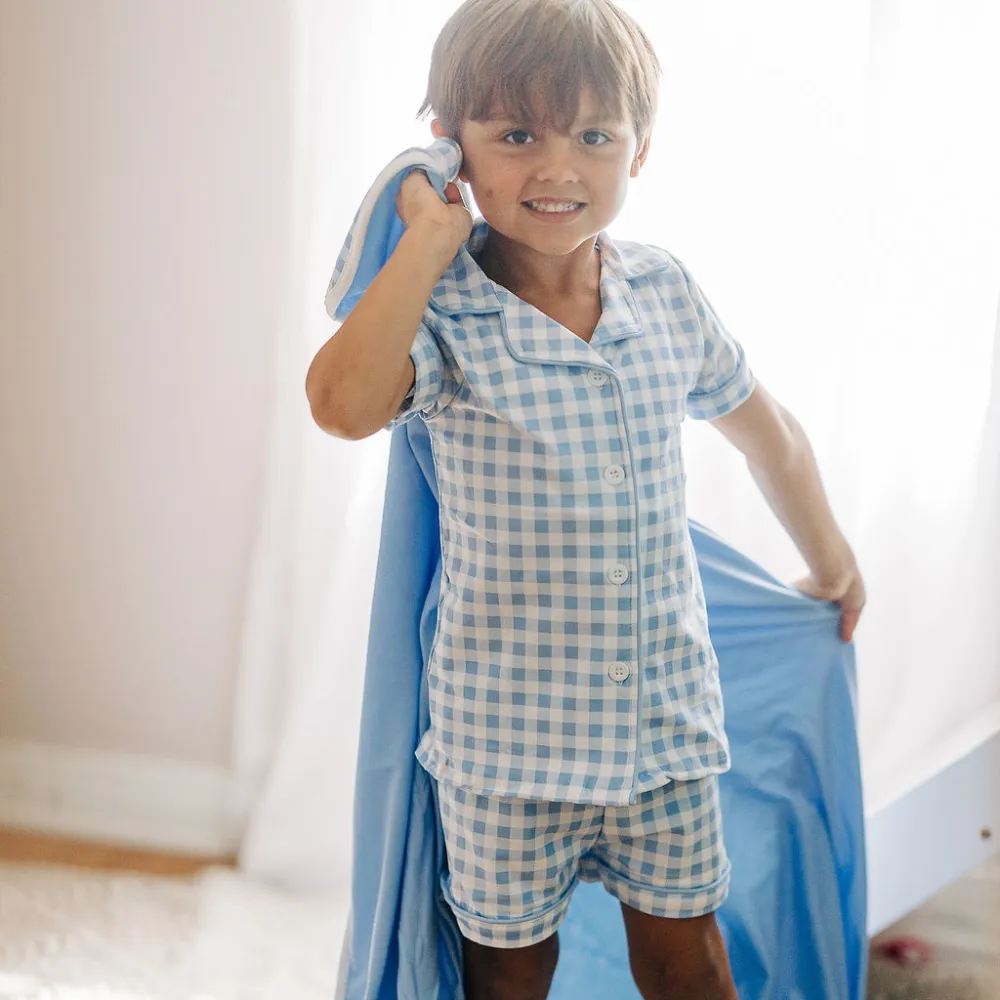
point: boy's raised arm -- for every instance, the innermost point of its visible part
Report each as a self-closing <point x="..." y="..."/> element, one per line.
<point x="361" y="375"/>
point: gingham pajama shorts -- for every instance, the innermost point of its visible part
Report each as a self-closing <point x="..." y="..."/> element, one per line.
<point x="513" y="863"/>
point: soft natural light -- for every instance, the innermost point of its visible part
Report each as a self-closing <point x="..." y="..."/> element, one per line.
<point x="195" y="563"/>
<point x="828" y="174"/>
<point x="836" y="200"/>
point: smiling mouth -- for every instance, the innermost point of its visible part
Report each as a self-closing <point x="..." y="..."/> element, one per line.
<point x="554" y="207"/>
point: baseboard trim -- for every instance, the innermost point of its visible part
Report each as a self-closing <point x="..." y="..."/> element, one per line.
<point x="944" y="823"/>
<point x="117" y="798"/>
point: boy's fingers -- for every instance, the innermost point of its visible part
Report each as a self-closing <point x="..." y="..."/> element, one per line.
<point x="848" y="623"/>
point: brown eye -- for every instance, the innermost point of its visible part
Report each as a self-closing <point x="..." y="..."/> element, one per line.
<point x="511" y="141"/>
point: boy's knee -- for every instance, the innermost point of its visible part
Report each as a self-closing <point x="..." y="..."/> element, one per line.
<point x="510" y="973"/>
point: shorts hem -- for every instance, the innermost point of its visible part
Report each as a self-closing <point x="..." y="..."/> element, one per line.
<point x="663" y="901"/>
<point x="510" y="932"/>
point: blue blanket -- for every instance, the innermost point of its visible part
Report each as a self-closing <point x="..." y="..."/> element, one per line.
<point x="795" y="920"/>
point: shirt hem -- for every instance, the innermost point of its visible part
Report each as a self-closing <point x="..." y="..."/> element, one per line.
<point x="442" y="769"/>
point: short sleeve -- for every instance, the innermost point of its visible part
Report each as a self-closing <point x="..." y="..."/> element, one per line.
<point x="725" y="379"/>
<point x="427" y="394"/>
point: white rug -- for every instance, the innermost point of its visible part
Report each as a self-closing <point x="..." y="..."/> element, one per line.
<point x="70" y="934"/>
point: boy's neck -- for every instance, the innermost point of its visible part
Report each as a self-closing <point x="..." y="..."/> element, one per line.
<point x="526" y="272"/>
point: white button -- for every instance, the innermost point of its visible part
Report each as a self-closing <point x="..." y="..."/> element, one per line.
<point x="615" y="475"/>
<point x="619" y="672"/>
<point x="618" y="574"/>
<point x="596" y="377"/>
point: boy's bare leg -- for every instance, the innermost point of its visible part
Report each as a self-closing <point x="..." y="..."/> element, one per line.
<point x="510" y="973"/>
<point x="678" y="959"/>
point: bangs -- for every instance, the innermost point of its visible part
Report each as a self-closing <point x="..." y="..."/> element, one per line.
<point x="531" y="60"/>
<point x="520" y="84"/>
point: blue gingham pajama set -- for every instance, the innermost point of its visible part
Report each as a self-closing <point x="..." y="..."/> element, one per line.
<point x="576" y="714"/>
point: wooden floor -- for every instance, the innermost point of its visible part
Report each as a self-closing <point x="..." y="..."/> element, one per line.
<point x="25" y="847"/>
<point x="962" y="925"/>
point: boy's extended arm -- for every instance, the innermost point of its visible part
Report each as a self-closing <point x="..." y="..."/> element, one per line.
<point x="361" y="375"/>
<point x="782" y="463"/>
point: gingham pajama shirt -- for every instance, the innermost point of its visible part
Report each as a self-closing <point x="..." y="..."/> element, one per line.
<point x="572" y="660"/>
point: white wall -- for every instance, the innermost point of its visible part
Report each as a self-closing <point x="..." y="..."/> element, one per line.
<point x="143" y="203"/>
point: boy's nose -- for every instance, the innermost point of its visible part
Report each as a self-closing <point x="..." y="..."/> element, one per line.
<point x="558" y="168"/>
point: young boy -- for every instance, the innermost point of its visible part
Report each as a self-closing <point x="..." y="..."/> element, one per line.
<point x="576" y="717"/>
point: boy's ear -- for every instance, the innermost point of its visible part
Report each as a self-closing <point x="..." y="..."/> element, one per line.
<point x="640" y="158"/>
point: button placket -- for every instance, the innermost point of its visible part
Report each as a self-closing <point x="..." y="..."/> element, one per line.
<point x="618" y="574"/>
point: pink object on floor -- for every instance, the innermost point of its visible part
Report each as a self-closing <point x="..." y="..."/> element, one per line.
<point x="912" y="952"/>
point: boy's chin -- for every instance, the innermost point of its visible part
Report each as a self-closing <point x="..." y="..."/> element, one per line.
<point x="551" y="238"/>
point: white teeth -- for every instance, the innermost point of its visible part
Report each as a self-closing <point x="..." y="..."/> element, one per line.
<point x="565" y="206"/>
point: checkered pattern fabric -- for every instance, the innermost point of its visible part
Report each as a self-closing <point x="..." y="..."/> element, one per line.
<point x="572" y="660"/>
<point x="513" y="863"/>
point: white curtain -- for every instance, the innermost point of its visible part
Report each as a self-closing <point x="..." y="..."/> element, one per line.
<point x="830" y="173"/>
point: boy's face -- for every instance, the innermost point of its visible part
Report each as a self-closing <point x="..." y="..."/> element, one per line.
<point x="517" y="168"/>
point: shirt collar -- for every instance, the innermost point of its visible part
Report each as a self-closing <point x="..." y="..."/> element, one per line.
<point x="464" y="289"/>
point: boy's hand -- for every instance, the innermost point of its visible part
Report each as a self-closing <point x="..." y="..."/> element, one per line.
<point x="419" y="205"/>
<point x="848" y="593"/>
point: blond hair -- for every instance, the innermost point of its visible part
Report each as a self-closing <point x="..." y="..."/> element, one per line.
<point x="512" y="53"/>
